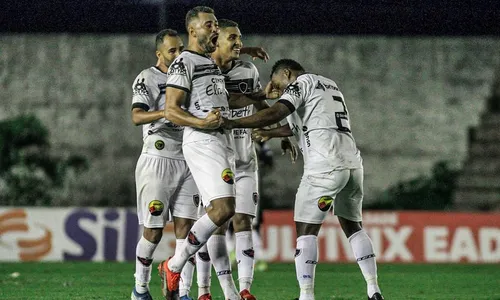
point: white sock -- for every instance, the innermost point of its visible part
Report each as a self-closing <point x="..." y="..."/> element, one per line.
<point x="363" y="251"/>
<point x="197" y="237"/>
<point x="257" y="244"/>
<point x="306" y="259"/>
<point x="143" y="260"/>
<point x="203" y="271"/>
<point x="229" y="241"/>
<point x="220" y="259"/>
<point x="245" y="259"/>
<point x="187" y="271"/>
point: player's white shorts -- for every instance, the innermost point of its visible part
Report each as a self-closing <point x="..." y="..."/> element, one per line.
<point x="164" y="185"/>
<point x="341" y="190"/>
<point x="247" y="193"/>
<point x="212" y="164"/>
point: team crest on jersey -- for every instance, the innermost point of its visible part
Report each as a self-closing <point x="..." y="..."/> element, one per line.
<point x="155" y="207"/>
<point x="196" y="200"/>
<point x="324" y="203"/>
<point x="159" y="144"/>
<point x="177" y="68"/>
<point x="293" y="89"/>
<point x="140" y="88"/>
<point x="228" y="176"/>
<point x="243" y="86"/>
<point x="255" y="198"/>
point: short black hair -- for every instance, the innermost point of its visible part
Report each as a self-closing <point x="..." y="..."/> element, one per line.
<point x="193" y="13"/>
<point x="160" y="36"/>
<point x="225" y="23"/>
<point x="286" y="63"/>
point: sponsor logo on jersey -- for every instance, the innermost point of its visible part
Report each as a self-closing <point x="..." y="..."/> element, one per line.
<point x="293" y="89"/>
<point x="177" y="68"/>
<point x="216" y="87"/>
<point x="196" y="200"/>
<point x="324" y="203"/>
<point x="159" y="144"/>
<point x="228" y="176"/>
<point x="155" y="207"/>
<point x="240" y="112"/>
<point x="140" y="88"/>
<point x="255" y="198"/>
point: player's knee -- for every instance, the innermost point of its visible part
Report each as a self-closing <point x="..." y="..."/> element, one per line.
<point x="242" y="222"/>
<point x="221" y="210"/>
<point x="349" y="227"/>
<point x="153" y="235"/>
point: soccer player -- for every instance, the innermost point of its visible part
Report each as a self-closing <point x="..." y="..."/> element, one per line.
<point x="194" y="80"/>
<point x="241" y="78"/>
<point x="333" y="171"/>
<point x="163" y="180"/>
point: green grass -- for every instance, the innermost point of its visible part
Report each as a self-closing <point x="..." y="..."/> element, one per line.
<point x="333" y="282"/>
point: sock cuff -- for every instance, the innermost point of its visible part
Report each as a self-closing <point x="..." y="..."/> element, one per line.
<point x="306" y="239"/>
<point x="216" y="237"/>
<point x="179" y="241"/>
<point x="147" y="244"/>
<point x="243" y="234"/>
<point x="359" y="233"/>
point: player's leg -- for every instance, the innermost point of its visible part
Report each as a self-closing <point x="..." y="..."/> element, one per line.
<point x="260" y="264"/>
<point x="348" y="207"/>
<point x="212" y="171"/>
<point x="184" y="207"/>
<point x="203" y="267"/>
<point x="152" y="212"/>
<point x="230" y="243"/>
<point x="313" y="201"/>
<point x="246" y="206"/>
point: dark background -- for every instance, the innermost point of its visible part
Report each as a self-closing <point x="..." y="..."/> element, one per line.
<point x="424" y="17"/>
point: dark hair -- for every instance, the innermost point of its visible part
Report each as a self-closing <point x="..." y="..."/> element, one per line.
<point x="193" y="13"/>
<point x="162" y="34"/>
<point x="225" y="23"/>
<point x="286" y="63"/>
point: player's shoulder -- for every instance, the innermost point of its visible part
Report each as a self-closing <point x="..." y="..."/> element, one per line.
<point x="146" y="73"/>
<point x="244" y="64"/>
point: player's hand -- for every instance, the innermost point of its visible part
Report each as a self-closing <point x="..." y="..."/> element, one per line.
<point x="256" y="52"/>
<point x="260" y="135"/>
<point x="213" y="120"/>
<point x="286" y="144"/>
<point x="271" y="91"/>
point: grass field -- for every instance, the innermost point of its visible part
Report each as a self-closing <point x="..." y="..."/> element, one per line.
<point x="333" y="282"/>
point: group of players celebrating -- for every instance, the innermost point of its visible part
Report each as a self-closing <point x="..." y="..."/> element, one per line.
<point x="198" y="164"/>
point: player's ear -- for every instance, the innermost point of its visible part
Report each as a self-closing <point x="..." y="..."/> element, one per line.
<point x="191" y="30"/>
<point x="158" y="54"/>
<point x="287" y="73"/>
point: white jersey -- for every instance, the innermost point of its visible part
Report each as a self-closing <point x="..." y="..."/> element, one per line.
<point x="201" y="78"/>
<point x="149" y="94"/>
<point x="320" y="122"/>
<point x="243" y="78"/>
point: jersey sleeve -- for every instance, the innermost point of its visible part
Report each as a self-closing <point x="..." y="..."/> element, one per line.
<point x="141" y="93"/>
<point x="257" y="86"/>
<point x="294" y="95"/>
<point x="180" y="74"/>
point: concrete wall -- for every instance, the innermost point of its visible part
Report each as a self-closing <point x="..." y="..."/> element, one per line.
<point x="411" y="100"/>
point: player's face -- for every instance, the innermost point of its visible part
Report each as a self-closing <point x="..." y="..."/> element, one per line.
<point x="230" y="43"/>
<point x="171" y="48"/>
<point x="281" y="79"/>
<point x="206" y="30"/>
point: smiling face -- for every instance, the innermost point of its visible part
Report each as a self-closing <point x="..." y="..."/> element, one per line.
<point x="229" y="43"/>
<point x="205" y="29"/>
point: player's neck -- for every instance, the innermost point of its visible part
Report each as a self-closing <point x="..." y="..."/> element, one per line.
<point x="161" y="66"/>
<point x="194" y="47"/>
<point x="224" y="64"/>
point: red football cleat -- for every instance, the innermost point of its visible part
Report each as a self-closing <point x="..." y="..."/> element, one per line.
<point x="169" y="280"/>
<point x="245" y="294"/>
<point x="205" y="297"/>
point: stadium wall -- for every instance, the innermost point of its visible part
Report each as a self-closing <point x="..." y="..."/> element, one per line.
<point x="98" y="234"/>
<point x="411" y="101"/>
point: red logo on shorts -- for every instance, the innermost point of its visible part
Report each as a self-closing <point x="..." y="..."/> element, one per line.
<point x="324" y="203"/>
<point x="228" y="176"/>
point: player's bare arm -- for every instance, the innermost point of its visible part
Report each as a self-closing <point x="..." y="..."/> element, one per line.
<point x="263" y="118"/>
<point x="262" y="135"/>
<point x="141" y="117"/>
<point x="174" y="113"/>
